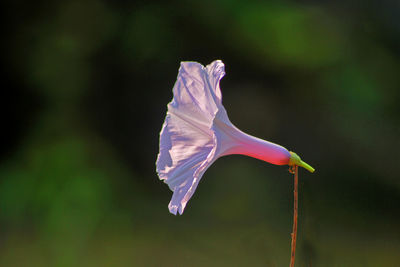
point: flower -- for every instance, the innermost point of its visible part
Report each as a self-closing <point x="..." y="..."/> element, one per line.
<point x="197" y="131"/>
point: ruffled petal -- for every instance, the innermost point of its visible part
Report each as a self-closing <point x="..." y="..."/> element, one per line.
<point x="196" y="91"/>
<point x="187" y="142"/>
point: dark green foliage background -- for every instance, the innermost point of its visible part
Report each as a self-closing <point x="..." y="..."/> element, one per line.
<point x="84" y="95"/>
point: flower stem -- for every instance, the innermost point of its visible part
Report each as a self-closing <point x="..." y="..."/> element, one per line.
<point x="294" y="233"/>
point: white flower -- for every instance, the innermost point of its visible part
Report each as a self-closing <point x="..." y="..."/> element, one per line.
<point x="197" y="131"/>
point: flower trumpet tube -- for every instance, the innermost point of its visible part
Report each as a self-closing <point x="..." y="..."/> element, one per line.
<point x="197" y="131"/>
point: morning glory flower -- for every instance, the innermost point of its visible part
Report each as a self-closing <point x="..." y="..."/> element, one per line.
<point x="197" y="131"/>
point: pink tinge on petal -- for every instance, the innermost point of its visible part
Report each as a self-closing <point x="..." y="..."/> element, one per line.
<point x="231" y="140"/>
<point x="260" y="149"/>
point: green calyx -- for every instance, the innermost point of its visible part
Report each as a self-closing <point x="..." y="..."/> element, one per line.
<point x="296" y="160"/>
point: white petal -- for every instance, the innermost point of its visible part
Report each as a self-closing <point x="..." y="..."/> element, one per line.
<point x="187" y="142"/>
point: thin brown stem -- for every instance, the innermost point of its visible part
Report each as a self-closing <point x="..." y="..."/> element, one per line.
<point x="294" y="233"/>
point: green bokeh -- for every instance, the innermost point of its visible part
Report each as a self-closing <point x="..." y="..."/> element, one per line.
<point x="89" y="83"/>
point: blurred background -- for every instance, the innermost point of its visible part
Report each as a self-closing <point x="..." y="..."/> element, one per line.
<point x="85" y="88"/>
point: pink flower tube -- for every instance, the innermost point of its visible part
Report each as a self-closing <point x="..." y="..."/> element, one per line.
<point x="197" y="131"/>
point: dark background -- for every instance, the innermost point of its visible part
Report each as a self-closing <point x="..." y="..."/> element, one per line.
<point x="84" y="93"/>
